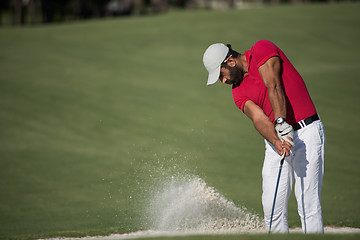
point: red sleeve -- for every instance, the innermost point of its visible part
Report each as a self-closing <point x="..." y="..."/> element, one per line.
<point x="263" y="50"/>
<point x="239" y="99"/>
<point x="241" y="103"/>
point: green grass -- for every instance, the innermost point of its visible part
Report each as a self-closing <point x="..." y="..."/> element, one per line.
<point x="88" y="110"/>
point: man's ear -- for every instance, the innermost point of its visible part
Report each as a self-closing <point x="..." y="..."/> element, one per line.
<point x="231" y="62"/>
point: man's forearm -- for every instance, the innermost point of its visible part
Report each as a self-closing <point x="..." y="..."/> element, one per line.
<point x="277" y="101"/>
<point x="266" y="128"/>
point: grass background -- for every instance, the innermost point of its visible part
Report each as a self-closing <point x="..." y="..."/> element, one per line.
<point x="93" y="112"/>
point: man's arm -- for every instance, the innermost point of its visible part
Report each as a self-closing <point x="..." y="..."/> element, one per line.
<point x="265" y="127"/>
<point x="270" y="72"/>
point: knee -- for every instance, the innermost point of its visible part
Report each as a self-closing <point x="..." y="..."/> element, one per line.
<point x="309" y="208"/>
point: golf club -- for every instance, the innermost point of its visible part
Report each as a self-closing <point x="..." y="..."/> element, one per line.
<point x="276" y="189"/>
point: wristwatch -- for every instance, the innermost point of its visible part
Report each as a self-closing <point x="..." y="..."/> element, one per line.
<point x="280" y="120"/>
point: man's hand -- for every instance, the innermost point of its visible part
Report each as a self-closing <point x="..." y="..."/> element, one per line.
<point x="285" y="132"/>
<point x="281" y="147"/>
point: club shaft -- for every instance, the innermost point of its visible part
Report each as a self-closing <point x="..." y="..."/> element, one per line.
<point x="276" y="189"/>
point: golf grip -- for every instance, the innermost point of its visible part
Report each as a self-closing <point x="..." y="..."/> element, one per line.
<point x="276" y="189"/>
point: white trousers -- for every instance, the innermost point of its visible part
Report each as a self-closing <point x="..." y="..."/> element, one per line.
<point x="305" y="165"/>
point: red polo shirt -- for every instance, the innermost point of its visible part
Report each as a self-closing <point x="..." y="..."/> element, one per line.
<point x="298" y="101"/>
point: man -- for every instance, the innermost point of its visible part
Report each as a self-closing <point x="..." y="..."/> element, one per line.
<point x="269" y="90"/>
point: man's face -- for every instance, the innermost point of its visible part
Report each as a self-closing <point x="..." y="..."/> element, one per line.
<point x="231" y="75"/>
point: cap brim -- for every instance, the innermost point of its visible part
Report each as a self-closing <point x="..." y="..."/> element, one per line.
<point x="213" y="76"/>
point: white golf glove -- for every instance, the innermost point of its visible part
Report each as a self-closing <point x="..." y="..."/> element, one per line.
<point x="284" y="131"/>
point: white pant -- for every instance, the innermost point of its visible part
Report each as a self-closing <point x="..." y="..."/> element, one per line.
<point x="305" y="165"/>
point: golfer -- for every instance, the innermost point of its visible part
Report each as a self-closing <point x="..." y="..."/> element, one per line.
<point x="270" y="91"/>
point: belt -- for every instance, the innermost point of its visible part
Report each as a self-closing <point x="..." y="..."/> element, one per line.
<point x="305" y="122"/>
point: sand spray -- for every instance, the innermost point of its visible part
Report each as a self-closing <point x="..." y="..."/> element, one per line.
<point x="170" y="196"/>
<point x="187" y="204"/>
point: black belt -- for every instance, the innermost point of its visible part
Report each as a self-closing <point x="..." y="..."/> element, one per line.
<point x="305" y="122"/>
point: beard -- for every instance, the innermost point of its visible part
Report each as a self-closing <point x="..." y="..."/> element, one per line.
<point x="236" y="76"/>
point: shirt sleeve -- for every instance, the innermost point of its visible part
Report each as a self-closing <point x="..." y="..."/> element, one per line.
<point x="239" y="99"/>
<point x="263" y="50"/>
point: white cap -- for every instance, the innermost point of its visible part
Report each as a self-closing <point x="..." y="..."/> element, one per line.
<point x="212" y="59"/>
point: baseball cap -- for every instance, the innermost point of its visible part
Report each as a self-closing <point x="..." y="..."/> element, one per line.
<point x="214" y="55"/>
